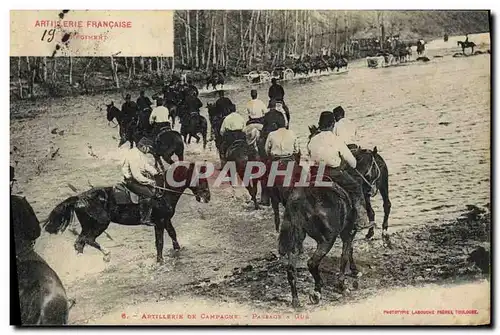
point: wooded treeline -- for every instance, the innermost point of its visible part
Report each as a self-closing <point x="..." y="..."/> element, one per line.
<point x="238" y="40"/>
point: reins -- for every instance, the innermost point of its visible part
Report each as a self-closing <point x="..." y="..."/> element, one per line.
<point x="372" y="184"/>
<point x="173" y="191"/>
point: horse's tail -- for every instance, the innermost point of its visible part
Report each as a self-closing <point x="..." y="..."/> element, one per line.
<point x="289" y="240"/>
<point x="61" y="216"/>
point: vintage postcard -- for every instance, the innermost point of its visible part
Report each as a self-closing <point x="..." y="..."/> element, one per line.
<point x="250" y="167"/>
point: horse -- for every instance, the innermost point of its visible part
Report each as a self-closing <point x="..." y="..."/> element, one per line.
<point x="42" y="296"/>
<point x="216" y="78"/>
<point x="323" y="214"/>
<point x="278" y="193"/>
<point x="465" y="45"/>
<point x="240" y="152"/>
<point x="128" y="127"/>
<point x="216" y="120"/>
<point x="420" y="47"/>
<point x="193" y="124"/>
<point x="375" y="173"/>
<point x="99" y="206"/>
<point x="167" y="143"/>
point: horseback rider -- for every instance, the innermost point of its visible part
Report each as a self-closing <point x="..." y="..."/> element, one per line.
<point x="192" y="88"/>
<point x="129" y="109"/>
<point x="192" y="102"/>
<point x="344" y="128"/>
<point x="282" y="143"/>
<point x="256" y="109"/>
<point x="271" y="119"/>
<point x="143" y="102"/>
<point x="231" y="130"/>
<point x="224" y="105"/>
<point x="466" y="38"/>
<point x="277" y="93"/>
<point x="135" y="170"/>
<point x="159" y="117"/>
<point x="328" y="149"/>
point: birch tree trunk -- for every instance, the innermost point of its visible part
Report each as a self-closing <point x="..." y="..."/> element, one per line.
<point x="71" y="70"/>
<point x="45" y="69"/>
<point x="197" y="59"/>
<point x="133" y="66"/>
<point x="150" y="65"/>
<point x="19" y="77"/>
<point x="296" y="42"/>
<point x="114" y="69"/>
<point x="141" y="62"/>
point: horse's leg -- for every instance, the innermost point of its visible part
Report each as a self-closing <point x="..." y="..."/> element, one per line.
<point x="347" y="236"/>
<point x="291" y="274"/>
<point x="313" y="264"/>
<point x="204" y="135"/>
<point x="159" y="240"/>
<point x="197" y="138"/>
<point x="371" y="215"/>
<point x="173" y="235"/>
<point x="276" y="209"/>
<point x="384" y="192"/>
<point x="252" y="189"/>
<point x="352" y="266"/>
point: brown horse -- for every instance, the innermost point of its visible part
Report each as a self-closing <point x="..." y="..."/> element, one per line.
<point x="42" y="297"/>
<point x="99" y="206"/>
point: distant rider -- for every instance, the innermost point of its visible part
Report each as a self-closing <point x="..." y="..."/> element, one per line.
<point x="277" y="93"/>
<point x="143" y="102"/>
<point x="160" y="117"/>
<point x="344" y="128"/>
<point x="255" y="109"/>
<point x="224" y="105"/>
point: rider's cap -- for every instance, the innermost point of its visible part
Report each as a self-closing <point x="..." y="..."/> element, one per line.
<point x="274" y="80"/>
<point x="326" y="120"/>
<point x="252" y="92"/>
<point x="338" y="111"/>
<point x="127" y="96"/>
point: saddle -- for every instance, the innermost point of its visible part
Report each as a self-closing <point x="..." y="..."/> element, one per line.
<point x="344" y="195"/>
<point x="123" y="196"/>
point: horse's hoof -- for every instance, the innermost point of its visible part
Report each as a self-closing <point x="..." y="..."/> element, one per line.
<point x="176" y="246"/>
<point x="385" y="233"/>
<point x="106" y="258"/>
<point x="370" y="234"/>
<point x="314" y="297"/>
<point x="160" y="261"/>
<point x="295" y="303"/>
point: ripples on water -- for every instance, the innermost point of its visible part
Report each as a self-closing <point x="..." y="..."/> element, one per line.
<point x="430" y="122"/>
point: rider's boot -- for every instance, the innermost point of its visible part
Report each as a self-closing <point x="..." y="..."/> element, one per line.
<point x="146" y="210"/>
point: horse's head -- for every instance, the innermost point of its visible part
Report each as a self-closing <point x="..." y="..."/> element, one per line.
<point x="111" y="111"/>
<point x="25" y="223"/>
<point x="367" y="164"/>
<point x="198" y="182"/>
<point x="192" y="176"/>
<point x="313" y="130"/>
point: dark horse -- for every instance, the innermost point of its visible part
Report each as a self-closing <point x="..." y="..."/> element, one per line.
<point x="216" y="120"/>
<point x="323" y="214"/>
<point x="42" y="296"/>
<point x="129" y="130"/>
<point x="374" y="171"/>
<point x="240" y="152"/>
<point x="166" y="144"/>
<point x="193" y="124"/>
<point x="216" y="78"/>
<point x="465" y="45"/>
<point x="97" y="207"/>
<point x="420" y="47"/>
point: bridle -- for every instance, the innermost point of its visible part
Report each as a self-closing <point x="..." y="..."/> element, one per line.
<point x="373" y="166"/>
